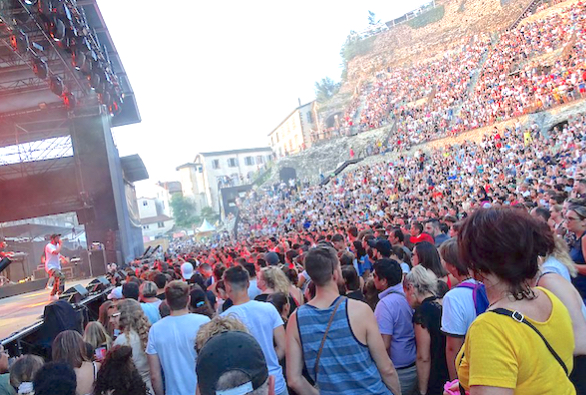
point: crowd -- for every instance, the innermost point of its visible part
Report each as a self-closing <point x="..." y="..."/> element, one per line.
<point x="458" y="269"/>
<point x="479" y="81"/>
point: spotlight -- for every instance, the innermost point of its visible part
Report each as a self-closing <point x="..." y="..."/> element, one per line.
<point x="40" y="68"/>
<point x="56" y="29"/>
<point x="19" y="41"/>
<point x="56" y="85"/>
<point x="45" y="8"/>
<point x="115" y="108"/>
<point x="95" y="79"/>
<point x="30" y="2"/>
<point x="69" y="100"/>
<point x="78" y="59"/>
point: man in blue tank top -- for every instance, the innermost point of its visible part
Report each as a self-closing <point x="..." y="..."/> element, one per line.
<point x="353" y="359"/>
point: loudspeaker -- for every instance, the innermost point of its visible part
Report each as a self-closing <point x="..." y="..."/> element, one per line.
<point x="4" y="263"/>
<point x="98" y="284"/>
<point x="75" y="294"/>
<point x="98" y="262"/>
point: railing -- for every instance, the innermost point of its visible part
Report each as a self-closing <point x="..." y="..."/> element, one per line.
<point x="529" y="9"/>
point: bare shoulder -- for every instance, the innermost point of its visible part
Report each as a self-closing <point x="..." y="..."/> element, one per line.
<point x="357" y="307"/>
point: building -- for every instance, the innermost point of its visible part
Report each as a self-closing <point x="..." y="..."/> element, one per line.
<point x="156" y="217"/>
<point x="202" y="180"/>
<point x="294" y="133"/>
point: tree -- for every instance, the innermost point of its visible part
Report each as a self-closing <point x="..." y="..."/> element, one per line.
<point x="325" y="89"/>
<point x="372" y="18"/>
<point x="183" y="211"/>
<point x="208" y="214"/>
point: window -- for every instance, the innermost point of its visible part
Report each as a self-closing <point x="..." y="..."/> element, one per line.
<point x="145" y="203"/>
<point x="309" y="117"/>
<point x="145" y="227"/>
<point x="260" y="160"/>
<point x="216" y="164"/>
<point x="232" y="162"/>
<point x="161" y="224"/>
<point x="249" y="161"/>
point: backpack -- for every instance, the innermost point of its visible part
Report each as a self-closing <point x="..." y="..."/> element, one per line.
<point x="478" y="296"/>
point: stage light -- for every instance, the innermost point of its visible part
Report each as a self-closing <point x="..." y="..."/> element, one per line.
<point x="19" y="41"/>
<point x="40" y="68"/>
<point x="115" y="108"/>
<point x="69" y="100"/>
<point x="94" y="79"/>
<point x="45" y="8"/>
<point x="30" y="2"/>
<point x="56" y="29"/>
<point x="56" y="85"/>
<point x="78" y="59"/>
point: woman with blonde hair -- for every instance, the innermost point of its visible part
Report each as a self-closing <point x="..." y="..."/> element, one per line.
<point x="420" y="286"/>
<point x="95" y="334"/>
<point x="134" y="327"/>
<point x="272" y="280"/>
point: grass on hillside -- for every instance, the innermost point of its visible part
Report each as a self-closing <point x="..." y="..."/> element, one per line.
<point x="428" y="17"/>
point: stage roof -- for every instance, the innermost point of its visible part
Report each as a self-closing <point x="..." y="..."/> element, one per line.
<point x="22" y="92"/>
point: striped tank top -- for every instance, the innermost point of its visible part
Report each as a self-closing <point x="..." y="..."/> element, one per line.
<point x="346" y="366"/>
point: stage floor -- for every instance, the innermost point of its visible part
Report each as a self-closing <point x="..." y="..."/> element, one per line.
<point x="18" y="312"/>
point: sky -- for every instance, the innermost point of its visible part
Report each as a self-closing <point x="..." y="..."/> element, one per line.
<point x="220" y="75"/>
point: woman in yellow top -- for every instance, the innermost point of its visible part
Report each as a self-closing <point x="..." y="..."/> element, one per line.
<point x="504" y="355"/>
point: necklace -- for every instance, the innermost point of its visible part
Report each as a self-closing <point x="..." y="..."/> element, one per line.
<point x="496" y="301"/>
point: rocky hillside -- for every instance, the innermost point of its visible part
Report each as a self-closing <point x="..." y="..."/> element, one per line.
<point x="403" y="44"/>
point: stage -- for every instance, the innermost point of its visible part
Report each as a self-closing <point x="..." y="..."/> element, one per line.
<point x="20" y="311"/>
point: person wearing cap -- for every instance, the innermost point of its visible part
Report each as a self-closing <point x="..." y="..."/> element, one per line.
<point x="187" y="271"/>
<point x="272" y="258"/>
<point x="116" y="294"/>
<point x="53" y="265"/>
<point x="262" y="320"/>
<point x="171" y="344"/>
<point x="352" y="359"/>
<point x="233" y="362"/>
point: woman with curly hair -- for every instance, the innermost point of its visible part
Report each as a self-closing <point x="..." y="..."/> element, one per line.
<point x="134" y="327"/>
<point x="118" y="375"/>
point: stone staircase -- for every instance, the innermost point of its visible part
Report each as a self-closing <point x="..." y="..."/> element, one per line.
<point x="531" y="7"/>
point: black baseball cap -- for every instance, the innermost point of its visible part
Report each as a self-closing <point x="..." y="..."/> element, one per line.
<point x="227" y="352"/>
<point x="382" y="245"/>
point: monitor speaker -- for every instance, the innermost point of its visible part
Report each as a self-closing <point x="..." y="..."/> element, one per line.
<point x="75" y="294"/>
<point x="98" y="285"/>
<point x="98" y="262"/>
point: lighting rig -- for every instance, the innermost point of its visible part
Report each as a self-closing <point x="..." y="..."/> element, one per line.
<point x="55" y="40"/>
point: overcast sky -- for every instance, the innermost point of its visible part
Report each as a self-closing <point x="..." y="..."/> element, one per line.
<point x="219" y="75"/>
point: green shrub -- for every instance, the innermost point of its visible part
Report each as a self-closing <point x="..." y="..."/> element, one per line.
<point x="428" y="17"/>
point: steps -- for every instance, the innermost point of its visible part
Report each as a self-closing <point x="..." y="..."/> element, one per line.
<point x="531" y="7"/>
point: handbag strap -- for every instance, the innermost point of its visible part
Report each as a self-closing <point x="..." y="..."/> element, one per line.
<point x="323" y="340"/>
<point x="521" y="318"/>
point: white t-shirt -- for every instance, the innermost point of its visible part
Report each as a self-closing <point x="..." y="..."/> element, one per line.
<point x="262" y="319"/>
<point x="173" y="340"/>
<point x="458" y="310"/>
<point x="51" y="260"/>
<point x="552" y="265"/>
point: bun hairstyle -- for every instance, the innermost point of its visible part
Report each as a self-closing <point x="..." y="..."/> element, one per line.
<point x="505" y="242"/>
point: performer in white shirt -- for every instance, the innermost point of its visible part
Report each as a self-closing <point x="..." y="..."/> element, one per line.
<point x="53" y="266"/>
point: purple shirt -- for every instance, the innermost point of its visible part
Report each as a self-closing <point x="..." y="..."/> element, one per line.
<point x="395" y="318"/>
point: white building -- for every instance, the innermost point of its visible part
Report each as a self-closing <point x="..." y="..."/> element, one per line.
<point x="155" y="213"/>
<point x="294" y="133"/>
<point x="210" y="171"/>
